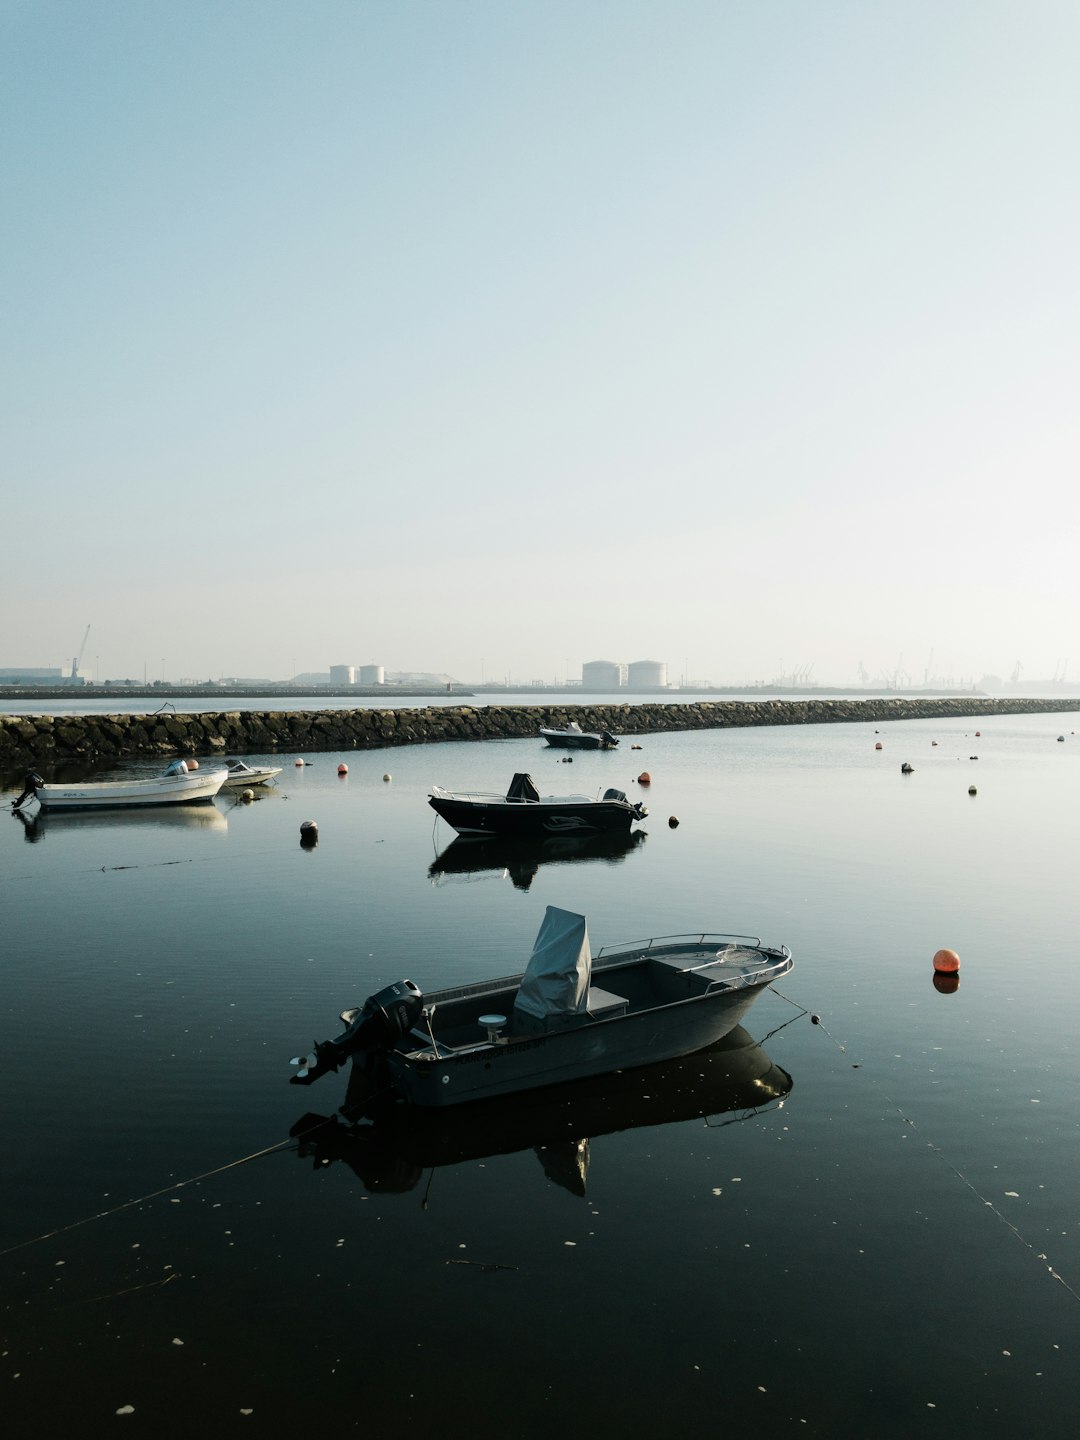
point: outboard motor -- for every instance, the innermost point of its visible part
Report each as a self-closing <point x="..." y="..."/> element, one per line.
<point x="381" y="1022"/>
<point x="31" y="781"/>
<point x="615" y="795"/>
<point x="609" y="740"/>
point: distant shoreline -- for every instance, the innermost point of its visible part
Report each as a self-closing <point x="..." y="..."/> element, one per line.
<point x="40" y="740"/>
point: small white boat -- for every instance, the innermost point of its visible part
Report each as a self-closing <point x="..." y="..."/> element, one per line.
<point x="177" y="786"/>
<point x="240" y="776"/>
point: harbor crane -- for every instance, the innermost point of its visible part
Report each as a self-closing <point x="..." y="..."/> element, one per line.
<point x="77" y="661"/>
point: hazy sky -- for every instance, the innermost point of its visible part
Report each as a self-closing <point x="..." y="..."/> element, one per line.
<point x="736" y="334"/>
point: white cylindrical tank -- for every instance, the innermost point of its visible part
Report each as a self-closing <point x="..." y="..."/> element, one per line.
<point x="647" y="675"/>
<point x="602" y="675"/>
<point x="372" y="675"/>
<point x="342" y="674"/>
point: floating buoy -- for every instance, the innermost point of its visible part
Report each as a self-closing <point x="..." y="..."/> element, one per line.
<point x="309" y="834"/>
<point x="947" y="984"/>
<point x="973" y="757"/>
<point x="299" y="762"/>
<point x="946" y="962"/>
<point x="978" y="733"/>
<point x="644" y="778"/>
<point x="635" y="747"/>
<point x="343" y="769"/>
<point x="247" y="796"/>
<point x="192" y="764"/>
<point x="1061" y="737"/>
<point x="877" y="746"/>
<point x="906" y="769"/>
<point x="972" y="790"/>
<point x="933" y="742"/>
<point x="673" y="821"/>
<point x="387" y="776"/>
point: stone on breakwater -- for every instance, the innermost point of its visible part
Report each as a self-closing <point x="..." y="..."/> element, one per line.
<point x="39" y="739"/>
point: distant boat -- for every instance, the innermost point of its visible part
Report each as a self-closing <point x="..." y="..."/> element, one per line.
<point x="572" y="737"/>
<point x="568" y="1017"/>
<point x="240" y="775"/>
<point x="524" y="811"/>
<point x="177" y="786"/>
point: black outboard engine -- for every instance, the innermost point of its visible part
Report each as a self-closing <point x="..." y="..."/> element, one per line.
<point x="384" y="1018"/>
<point x="31" y="781"/>
<point x="615" y="795"/>
<point x="609" y="740"/>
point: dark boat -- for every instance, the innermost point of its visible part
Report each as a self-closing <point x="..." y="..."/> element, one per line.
<point x="567" y="1017"/>
<point x="572" y="737"/>
<point x="521" y="859"/>
<point x="389" y="1146"/>
<point x="524" y="811"/>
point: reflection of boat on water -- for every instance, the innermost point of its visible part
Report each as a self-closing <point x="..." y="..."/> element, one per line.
<point x="205" y="818"/>
<point x="390" y="1147"/>
<point x="521" y="859"/>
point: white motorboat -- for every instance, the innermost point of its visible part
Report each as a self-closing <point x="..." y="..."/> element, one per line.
<point x="177" y="786"/>
<point x="240" y="776"/>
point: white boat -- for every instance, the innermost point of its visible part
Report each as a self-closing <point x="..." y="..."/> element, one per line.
<point x="175" y="787"/>
<point x="568" y="1017"/>
<point x="240" y="776"/>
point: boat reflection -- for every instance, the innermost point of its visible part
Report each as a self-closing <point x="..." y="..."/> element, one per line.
<point x="206" y="817"/>
<point x="520" y="860"/>
<point x="388" y="1148"/>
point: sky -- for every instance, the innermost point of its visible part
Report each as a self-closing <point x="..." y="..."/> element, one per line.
<point x="490" y="338"/>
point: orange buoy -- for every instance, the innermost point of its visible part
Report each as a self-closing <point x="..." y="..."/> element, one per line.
<point x="343" y="769"/>
<point x="877" y="745"/>
<point x="946" y="962"/>
<point x="644" y="778"/>
<point x="192" y="764"/>
<point x="977" y="733"/>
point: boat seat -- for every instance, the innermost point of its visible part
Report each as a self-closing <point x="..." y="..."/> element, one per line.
<point x="603" y="1005"/>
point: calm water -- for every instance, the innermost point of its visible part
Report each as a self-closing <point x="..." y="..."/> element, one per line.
<point x="861" y="1228"/>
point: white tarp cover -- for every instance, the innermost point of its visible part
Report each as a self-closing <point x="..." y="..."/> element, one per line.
<point x="556" y="980"/>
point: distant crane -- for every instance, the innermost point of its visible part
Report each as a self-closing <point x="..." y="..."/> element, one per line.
<point x="1016" y="672"/>
<point x="77" y="661"/>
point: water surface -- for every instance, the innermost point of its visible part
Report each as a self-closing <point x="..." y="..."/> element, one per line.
<point x="885" y="1245"/>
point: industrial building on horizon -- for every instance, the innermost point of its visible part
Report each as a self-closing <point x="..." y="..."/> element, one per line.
<point x="614" y="675"/>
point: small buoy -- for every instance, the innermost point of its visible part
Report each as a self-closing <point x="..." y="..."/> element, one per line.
<point x="906" y="769"/>
<point x="1061" y="737"/>
<point x="978" y="733"/>
<point x="299" y="762"/>
<point x="947" y="984"/>
<point x="388" y="776"/>
<point x="192" y="764"/>
<point x="877" y="745"/>
<point x="972" y="790"/>
<point x="343" y="769"/>
<point x="309" y="834"/>
<point x="946" y="962"/>
<point x="644" y="778"/>
<point x="247" y="796"/>
<point x="933" y="742"/>
<point x="635" y="747"/>
<point x="673" y="821"/>
<point x="815" y="1019"/>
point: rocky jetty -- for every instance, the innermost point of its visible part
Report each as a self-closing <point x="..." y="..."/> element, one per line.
<point x="41" y="739"/>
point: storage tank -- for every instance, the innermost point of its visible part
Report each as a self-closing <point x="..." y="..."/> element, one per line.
<point x="342" y="674"/>
<point x="647" y="675"/>
<point x="602" y="675"/>
<point x="372" y="674"/>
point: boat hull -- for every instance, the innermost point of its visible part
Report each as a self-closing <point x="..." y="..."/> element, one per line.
<point x="624" y="1042"/>
<point x="255" y="776"/>
<point x="538" y="818"/>
<point x="192" y="788"/>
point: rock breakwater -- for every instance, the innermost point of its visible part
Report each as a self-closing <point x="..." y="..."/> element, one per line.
<point x="41" y="739"/>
